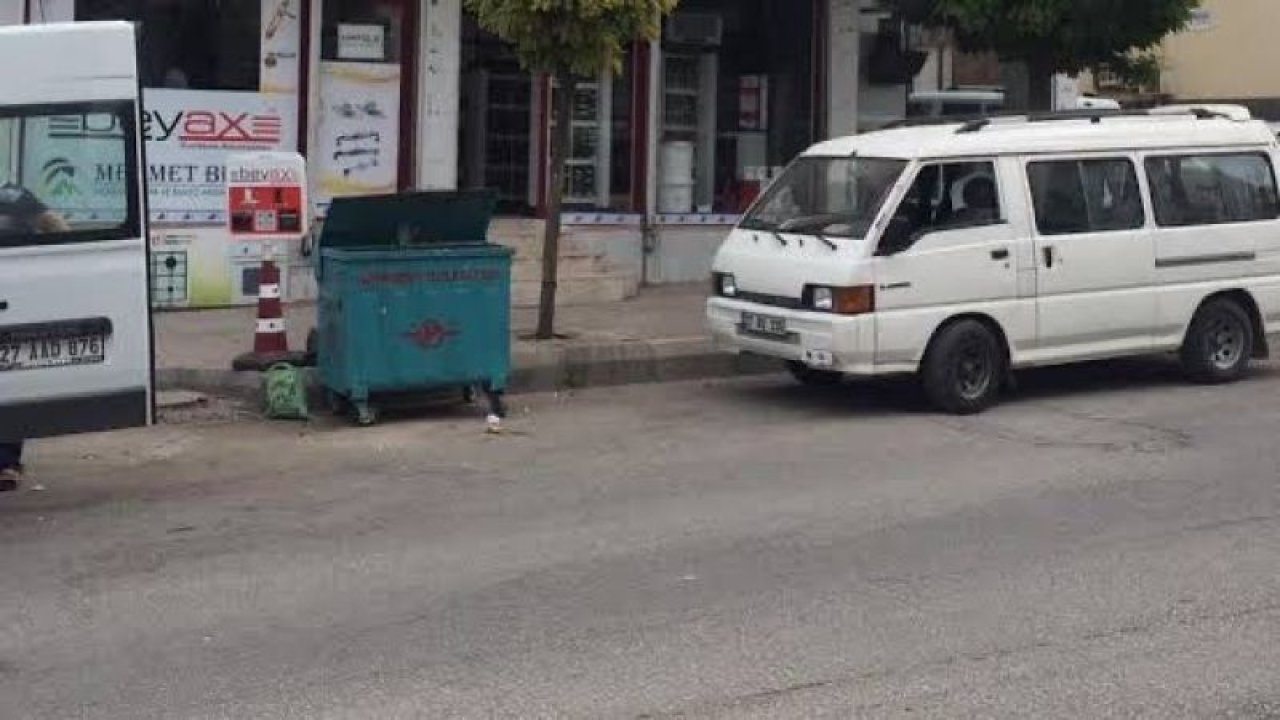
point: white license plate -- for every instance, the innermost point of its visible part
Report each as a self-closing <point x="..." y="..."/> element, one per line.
<point x="756" y="324"/>
<point x="36" y="353"/>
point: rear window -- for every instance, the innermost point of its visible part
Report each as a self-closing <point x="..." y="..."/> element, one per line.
<point x="68" y="173"/>
<point x="1212" y="189"/>
<point x="1085" y="196"/>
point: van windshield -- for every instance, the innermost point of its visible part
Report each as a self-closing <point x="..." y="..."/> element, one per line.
<point x="839" y="197"/>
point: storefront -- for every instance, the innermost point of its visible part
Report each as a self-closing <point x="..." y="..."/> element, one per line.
<point x="382" y="95"/>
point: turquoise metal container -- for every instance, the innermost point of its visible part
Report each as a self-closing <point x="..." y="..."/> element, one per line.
<point x="413" y="300"/>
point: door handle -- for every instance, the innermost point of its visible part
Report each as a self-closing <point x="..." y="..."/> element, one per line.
<point x="1001" y="254"/>
<point x="1048" y="256"/>
<point x="4" y="305"/>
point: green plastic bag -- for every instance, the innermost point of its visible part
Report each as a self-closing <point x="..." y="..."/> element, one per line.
<point x="284" y="392"/>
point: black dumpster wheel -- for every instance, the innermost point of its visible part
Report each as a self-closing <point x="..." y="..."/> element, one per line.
<point x="336" y="404"/>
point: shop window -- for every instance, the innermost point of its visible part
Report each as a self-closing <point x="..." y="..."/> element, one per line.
<point x="598" y="176"/>
<point x="737" y="100"/>
<point x="498" y="121"/>
<point x="502" y="113"/>
<point x="196" y="44"/>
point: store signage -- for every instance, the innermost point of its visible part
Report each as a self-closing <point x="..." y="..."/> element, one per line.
<point x="195" y="127"/>
<point x="362" y="42"/>
<point x="266" y="195"/>
<point x="191" y="135"/>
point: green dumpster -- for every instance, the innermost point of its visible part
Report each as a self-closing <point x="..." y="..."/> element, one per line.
<point x="413" y="299"/>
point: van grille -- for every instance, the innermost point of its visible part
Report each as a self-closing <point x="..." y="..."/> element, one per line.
<point x="780" y="301"/>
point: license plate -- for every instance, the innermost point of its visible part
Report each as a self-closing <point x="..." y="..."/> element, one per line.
<point x="48" y="352"/>
<point x="756" y="324"/>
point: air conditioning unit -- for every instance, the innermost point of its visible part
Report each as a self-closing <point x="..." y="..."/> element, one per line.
<point x="690" y="28"/>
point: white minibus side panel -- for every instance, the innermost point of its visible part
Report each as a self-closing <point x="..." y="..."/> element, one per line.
<point x="1215" y="210"/>
<point x="1095" y="258"/>
<point x="953" y="268"/>
<point x="75" y="331"/>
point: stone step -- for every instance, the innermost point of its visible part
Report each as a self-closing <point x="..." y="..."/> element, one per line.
<point x="531" y="247"/>
<point x="581" y="290"/>
<point x="530" y="269"/>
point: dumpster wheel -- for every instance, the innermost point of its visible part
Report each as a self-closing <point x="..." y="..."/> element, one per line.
<point x="335" y="403"/>
<point x="365" y="414"/>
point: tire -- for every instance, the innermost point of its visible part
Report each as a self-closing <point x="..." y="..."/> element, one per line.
<point x="964" y="368"/>
<point x="812" y="377"/>
<point x="1219" y="343"/>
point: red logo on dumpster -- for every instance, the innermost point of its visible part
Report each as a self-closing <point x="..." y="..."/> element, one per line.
<point x="430" y="334"/>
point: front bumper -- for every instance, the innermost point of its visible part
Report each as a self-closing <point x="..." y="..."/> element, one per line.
<point x="819" y="340"/>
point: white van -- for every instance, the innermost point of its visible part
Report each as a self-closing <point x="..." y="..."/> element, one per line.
<point x="954" y="103"/>
<point x="962" y="251"/>
<point x="75" y="337"/>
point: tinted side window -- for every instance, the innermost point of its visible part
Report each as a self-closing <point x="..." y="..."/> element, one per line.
<point x="1212" y="189"/>
<point x="1084" y="196"/>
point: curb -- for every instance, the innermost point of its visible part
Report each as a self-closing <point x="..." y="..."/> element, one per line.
<point x="541" y="368"/>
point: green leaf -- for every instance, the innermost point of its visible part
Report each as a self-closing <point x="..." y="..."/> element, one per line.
<point x="1058" y="35"/>
<point x="579" y="37"/>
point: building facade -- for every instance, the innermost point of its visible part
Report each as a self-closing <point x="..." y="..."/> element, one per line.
<point x="1227" y="54"/>
<point x="389" y="95"/>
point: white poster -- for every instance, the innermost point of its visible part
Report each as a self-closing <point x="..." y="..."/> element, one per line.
<point x="358" y="147"/>
<point x="362" y="42"/>
<point x="190" y="134"/>
<point x="281" y="46"/>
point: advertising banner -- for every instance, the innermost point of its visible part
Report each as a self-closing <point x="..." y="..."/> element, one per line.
<point x="266" y="196"/>
<point x="191" y="133"/>
<point x="358" y="146"/>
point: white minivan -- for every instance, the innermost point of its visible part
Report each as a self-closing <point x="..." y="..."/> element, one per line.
<point x="75" y="334"/>
<point x="963" y="251"/>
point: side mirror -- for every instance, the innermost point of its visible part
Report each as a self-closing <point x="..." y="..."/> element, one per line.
<point x="897" y="236"/>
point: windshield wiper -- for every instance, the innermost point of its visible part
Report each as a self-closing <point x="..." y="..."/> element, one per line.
<point x="826" y="241"/>
<point x="778" y="236"/>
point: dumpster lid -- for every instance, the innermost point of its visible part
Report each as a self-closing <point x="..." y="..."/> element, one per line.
<point x="412" y="219"/>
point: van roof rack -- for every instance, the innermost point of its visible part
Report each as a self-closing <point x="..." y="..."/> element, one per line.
<point x="1094" y="115"/>
<point x="976" y="123"/>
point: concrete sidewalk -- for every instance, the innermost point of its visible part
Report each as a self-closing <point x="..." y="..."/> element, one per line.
<point x="657" y="336"/>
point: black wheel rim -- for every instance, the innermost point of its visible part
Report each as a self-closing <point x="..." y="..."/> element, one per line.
<point x="1225" y="341"/>
<point x="974" y="369"/>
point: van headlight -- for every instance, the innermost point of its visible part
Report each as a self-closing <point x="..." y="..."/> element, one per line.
<point x="725" y="284"/>
<point x="856" y="300"/>
<point x="823" y="299"/>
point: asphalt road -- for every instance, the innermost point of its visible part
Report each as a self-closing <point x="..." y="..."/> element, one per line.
<point x="1106" y="544"/>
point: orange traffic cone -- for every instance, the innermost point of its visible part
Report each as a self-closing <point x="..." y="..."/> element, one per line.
<point x="270" y="343"/>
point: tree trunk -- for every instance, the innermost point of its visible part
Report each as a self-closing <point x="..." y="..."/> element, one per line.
<point x="1040" y="78"/>
<point x="560" y="138"/>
